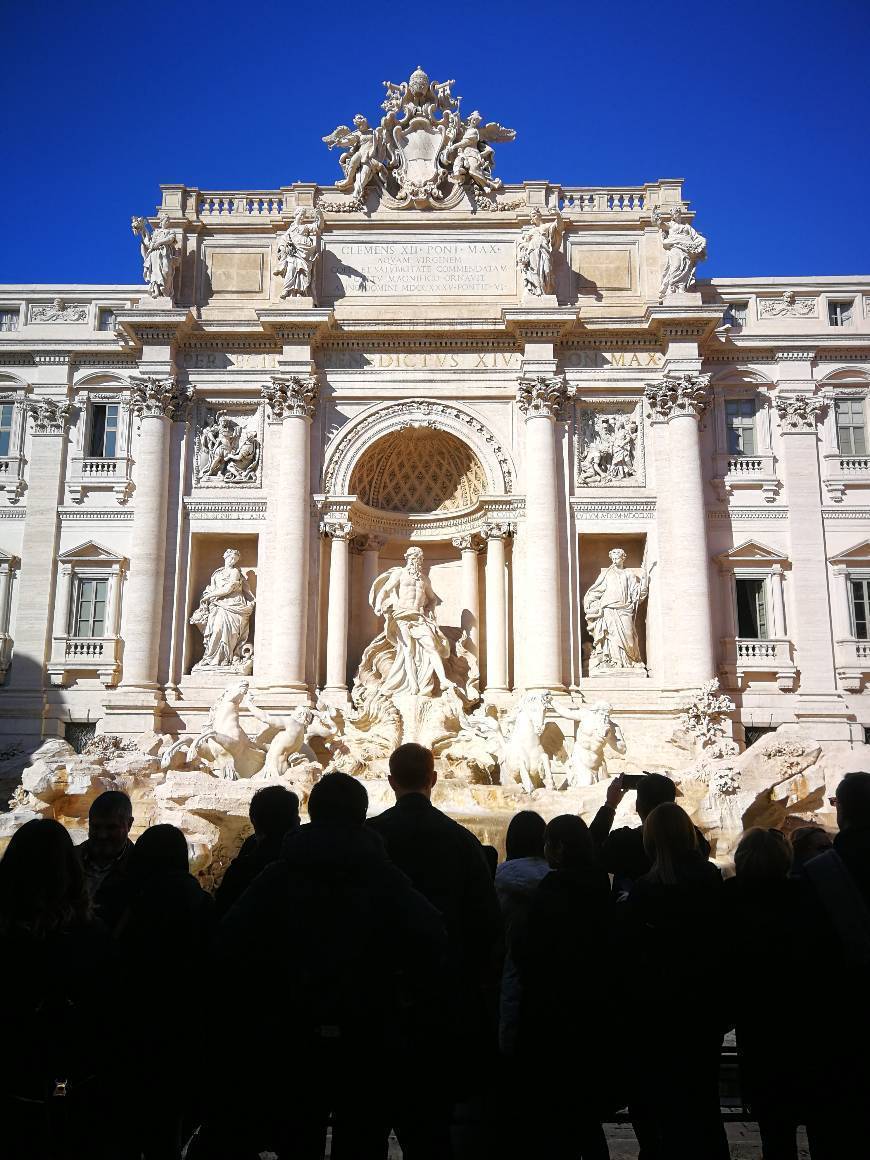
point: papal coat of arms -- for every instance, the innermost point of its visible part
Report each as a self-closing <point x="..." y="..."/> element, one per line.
<point x="423" y="153"/>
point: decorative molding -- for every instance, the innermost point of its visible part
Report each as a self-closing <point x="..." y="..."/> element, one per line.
<point x="57" y="311"/>
<point x="495" y="531"/>
<point x="110" y="515"/>
<point x="612" y="509"/>
<point x="542" y="396"/>
<point x="798" y="413"/>
<point x="336" y="529"/>
<point x="747" y="514"/>
<point x="229" y="509"/>
<point x="795" y="355"/>
<point x="155" y="398"/>
<point x="291" y="396"/>
<point x="49" y="416"/>
<point x="13" y="513"/>
<point x="681" y="394"/>
<point x="51" y="358"/>
<point x="788" y="306"/>
<point x="862" y="515"/>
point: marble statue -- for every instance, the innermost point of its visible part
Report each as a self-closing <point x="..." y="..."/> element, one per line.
<point x="609" y="448"/>
<point x="535" y="249"/>
<point x="586" y="764"/>
<point x="514" y="741"/>
<point x="611" y="605"/>
<point x="290" y="742"/>
<point x="223" y="617"/>
<point x="298" y="250"/>
<point x="222" y="744"/>
<point x="364" y="157"/>
<point x="684" y="248"/>
<point x="161" y="256"/>
<point x="411" y="650"/>
<point x="470" y="153"/>
<point x="226" y="452"/>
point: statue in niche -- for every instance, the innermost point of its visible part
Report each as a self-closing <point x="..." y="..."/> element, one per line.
<point x="410" y="652"/>
<point x="160" y="255"/>
<point x="226" y="451"/>
<point x="610" y="448"/>
<point x="298" y="249"/>
<point x="224" y="618"/>
<point x="611" y="605"/>
<point x="535" y="252"/>
<point x="684" y="248"/>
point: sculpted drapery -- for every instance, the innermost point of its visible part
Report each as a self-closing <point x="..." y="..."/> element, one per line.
<point x="223" y="617"/>
<point x="611" y="605"/>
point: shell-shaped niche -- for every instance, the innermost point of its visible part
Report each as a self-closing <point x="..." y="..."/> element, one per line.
<point x="418" y="470"/>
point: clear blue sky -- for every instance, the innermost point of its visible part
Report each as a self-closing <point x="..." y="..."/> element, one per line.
<point x="760" y="105"/>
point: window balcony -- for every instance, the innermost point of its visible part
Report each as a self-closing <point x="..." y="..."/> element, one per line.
<point x="745" y="658"/>
<point x="95" y="473"/>
<point x="842" y="471"/>
<point x="90" y="656"/>
<point x="12" y="477"/>
<point x="735" y="472"/>
<point x="853" y="664"/>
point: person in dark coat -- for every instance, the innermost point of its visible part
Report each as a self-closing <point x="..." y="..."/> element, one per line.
<point x="445" y="862"/>
<point x="58" y="1063"/>
<point x="106" y="854"/>
<point x="562" y="954"/>
<point x="164" y="937"/>
<point x="773" y="931"/>
<point x="274" y="813"/>
<point x="669" y="948"/>
<point x="852" y="843"/>
<point x="345" y="951"/>
<point x="622" y="851"/>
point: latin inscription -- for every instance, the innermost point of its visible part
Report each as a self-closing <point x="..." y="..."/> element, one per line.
<point x="426" y="268"/>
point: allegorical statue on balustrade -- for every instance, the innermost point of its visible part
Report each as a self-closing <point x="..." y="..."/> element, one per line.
<point x="611" y="605"/>
<point x="161" y="255"/>
<point x="535" y="248"/>
<point x="224" y="618"/>
<point x="298" y="250"/>
<point x="684" y="248"/>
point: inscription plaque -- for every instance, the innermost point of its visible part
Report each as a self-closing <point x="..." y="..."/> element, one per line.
<point x="423" y="268"/>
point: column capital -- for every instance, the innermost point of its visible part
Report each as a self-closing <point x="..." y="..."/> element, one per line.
<point x="798" y="413"/>
<point x="49" y="416"/>
<point x="337" y="529"/>
<point x="469" y="543"/>
<point x="678" y="394"/>
<point x="158" y="398"/>
<point x="541" y="396"/>
<point x="291" y="396"/>
<point x="368" y="543"/>
<point x="497" y="531"/>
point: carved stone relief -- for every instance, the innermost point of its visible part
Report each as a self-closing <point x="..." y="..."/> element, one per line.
<point x="57" y="311"/>
<point x="609" y="445"/>
<point x="228" y="449"/>
<point x="789" y="306"/>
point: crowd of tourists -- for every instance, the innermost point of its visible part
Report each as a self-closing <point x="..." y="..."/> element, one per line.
<point x="352" y="978"/>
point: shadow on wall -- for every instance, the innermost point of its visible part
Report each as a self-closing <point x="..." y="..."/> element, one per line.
<point x="21" y="721"/>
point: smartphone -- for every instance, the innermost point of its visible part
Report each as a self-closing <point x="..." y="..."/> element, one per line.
<point x="633" y="780"/>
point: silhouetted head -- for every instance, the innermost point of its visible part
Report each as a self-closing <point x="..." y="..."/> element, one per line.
<point x="338" y="800"/>
<point x="807" y="842"/>
<point x="160" y="850"/>
<point x="109" y="820"/>
<point x="42" y="884"/>
<point x="273" y="811"/>
<point x="853" y="801"/>
<point x="568" y="843"/>
<point x="525" y="835"/>
<point x="412" y="770"/>
<point x="652" y="791"/>
<point x="669" y="837"/>
<point x="763" y="855"/>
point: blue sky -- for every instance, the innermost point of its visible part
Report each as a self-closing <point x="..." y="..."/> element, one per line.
<point x="760" y="105"/>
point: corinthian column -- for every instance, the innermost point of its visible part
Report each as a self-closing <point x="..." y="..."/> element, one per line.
<point x="469" y="547"/>
<point x="338" y="616"/>
<point x="540" y="400"/>
<point x="157" y="402"/>
<point x="680" y="400"/>
<point x="292" y="399"/>
<point x="496" y="607"/>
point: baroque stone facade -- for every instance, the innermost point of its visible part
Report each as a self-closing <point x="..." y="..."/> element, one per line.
<point x="204" y="475"/>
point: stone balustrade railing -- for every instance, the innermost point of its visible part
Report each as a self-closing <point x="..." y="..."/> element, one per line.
<point x="258" y="203"/>
<point x="87" y="648"/>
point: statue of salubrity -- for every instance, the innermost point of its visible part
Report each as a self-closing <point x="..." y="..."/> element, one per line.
<point x="224" y="618"/>
<point x="611" y="605"/>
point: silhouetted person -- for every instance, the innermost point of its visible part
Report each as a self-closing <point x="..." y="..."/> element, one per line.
<point x="563" y="960"/>
<point x="772" y="932"/>
<point x="56" y="1074"/>
<point x="345" y="951"/>
<point x="446" y="864"/>
<point x="490" y="854"/>
<point x="622" y="851"/>
<point x="164" y="935"/>
<point x="806" y="843"/>
<point x="274" y="812"/>
<point x="669" y="954"/>
<point x="852" y="843"/>
<point x="106" y="853"/>
<point x="516" y="880"/>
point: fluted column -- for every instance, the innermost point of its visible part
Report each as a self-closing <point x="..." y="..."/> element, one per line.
<point x="681" y="399"/>
<point x="469" y="548"/>
<point x="157" y="402"/>
<point x="540" y="400"/>
<point x="496" y="607"/>
<point x="62" y="602"/>
<point x="338" y="614"/>
<point x="292" y="399"/>
<point x="371" y="569"/>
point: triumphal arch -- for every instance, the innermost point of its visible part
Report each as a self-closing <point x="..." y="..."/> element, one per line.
<point x="422" y="455"/>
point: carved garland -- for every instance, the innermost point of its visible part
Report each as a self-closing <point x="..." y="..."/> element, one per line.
<point x="685" y="394"/>
<point x="291" y="395"/>
<point x="155" y="398"/>
<point x="798" y="413"/>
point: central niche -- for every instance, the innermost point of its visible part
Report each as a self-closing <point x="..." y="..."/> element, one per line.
<point x="418" y="470"/>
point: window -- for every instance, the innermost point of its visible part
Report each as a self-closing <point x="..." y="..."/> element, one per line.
<point x="6" y="412"/>
<point x="736" y="313"/>
<point x="840" y="313"/>
<point x="90" y="608"/>
<point x="860" y="591"/>
<point x="740" y="425"/>
<point x="106" y="319"/>
<point x="751" y="609"/>
<point x="104" y="430"/>
<point x="9" y="319"/>
<point x="851" y="432"/>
